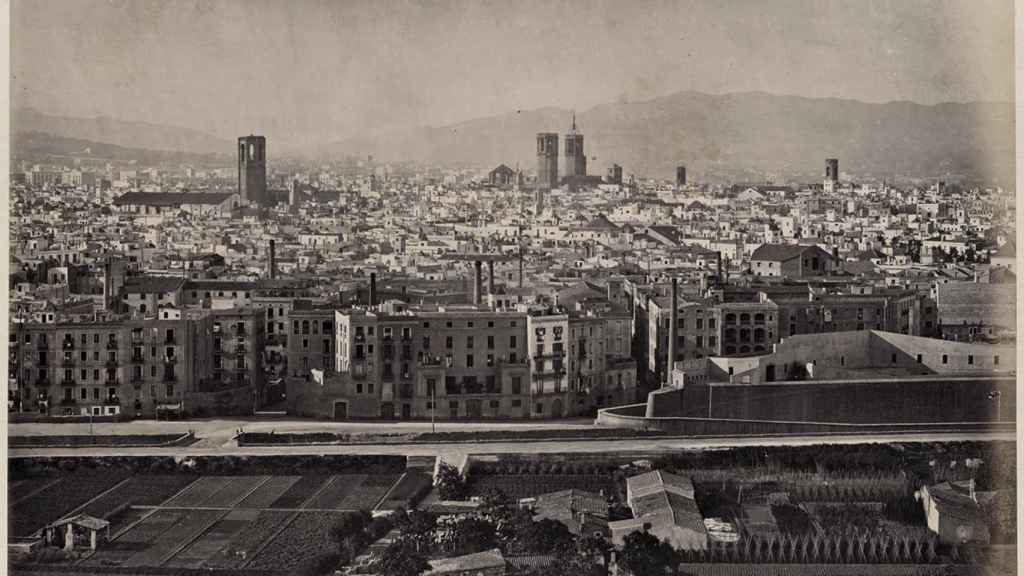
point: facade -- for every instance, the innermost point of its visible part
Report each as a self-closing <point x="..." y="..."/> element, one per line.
<point x="172" y="362"/>
<point x="575" y="157"/>
<point x="547" y="161"/>
<point x="252" y="170"/>
<point x="791" y="261"/>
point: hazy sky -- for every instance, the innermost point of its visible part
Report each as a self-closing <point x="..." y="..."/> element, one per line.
<point x="305" y="71"/>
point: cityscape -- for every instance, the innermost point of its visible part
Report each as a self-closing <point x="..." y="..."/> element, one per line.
<point x="696" y="329"/>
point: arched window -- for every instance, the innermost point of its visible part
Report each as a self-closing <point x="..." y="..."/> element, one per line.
<point x="744" y="318"/>
<point x="730" y="318"/>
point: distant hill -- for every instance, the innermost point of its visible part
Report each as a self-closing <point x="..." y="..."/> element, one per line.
<point x="39" y="145"/>
<point x="140" y="135"/>
<point x="731" y="133"/>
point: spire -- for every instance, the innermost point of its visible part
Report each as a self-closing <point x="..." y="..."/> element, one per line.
<point x="573" y="120"/>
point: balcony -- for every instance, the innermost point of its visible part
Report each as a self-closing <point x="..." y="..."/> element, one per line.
<point x="359" y="338"/>
<point x="170" y="341"/>
<point x="432" y="361"/>
<point x="42" y="345"/>
<point x="240" y="349"/>
<point x="137" y="359"/>
<point x="112" y="401"/>
<point x="240" y="330"/>
<point x="111" y="364"/>
<point x="111" y="381"/>
<point x="112" y="345"/>
<point x="67" y="383"/>
<point x="405" y="391"/>
<point x="67" y="362"/>
<point x="136" y="338"/>
<point x="68" y="345"/>
<point x="170" y="360"/>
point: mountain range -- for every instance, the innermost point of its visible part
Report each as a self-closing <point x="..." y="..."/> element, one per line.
<point x="727" y="134"/>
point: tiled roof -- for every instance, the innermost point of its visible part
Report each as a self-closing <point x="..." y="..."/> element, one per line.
<point x="153" y="284"/>
<point x="478" y="561"/>
<point x="170" y="198"/>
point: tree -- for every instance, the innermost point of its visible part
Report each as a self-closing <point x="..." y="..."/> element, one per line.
<point x="450" y="483"/>
<point x="402" y="558"/>
<point x="644" y="555"/>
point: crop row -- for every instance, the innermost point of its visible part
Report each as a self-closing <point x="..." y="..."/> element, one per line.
<point x="199" y="491"/>
<point x="184" y="530"/>
<point x="307" y="537"/>
<point x="238" y="488"/>
<point x="53" y="502"/>
<point x="213" y="540"/>
<point x="335" y="492"/>
<point x="138" y="491"/>
<point x="268" y="492"/>
<point x="135" y="540"/>
<point x="247" y="542"/>
<point x="299" y="492"/>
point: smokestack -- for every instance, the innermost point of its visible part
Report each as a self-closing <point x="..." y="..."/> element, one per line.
<point x="477" y="281"/>
<point x="490" y="276"/>
<point x="703" y="283"/>
<point x="373" y="288"/>
<point x="521" y="256"/>
<point x="273" y="260"/>
<point x="718" y="265"/>
<point x="674" y="312"/>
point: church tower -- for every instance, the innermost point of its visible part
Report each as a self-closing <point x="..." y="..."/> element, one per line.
<point x="575" y="157"/>
<point x="252" y="170"/>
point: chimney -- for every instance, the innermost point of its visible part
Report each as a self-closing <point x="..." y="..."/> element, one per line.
<point x="521" y="256"/>
<point x="703" y="283"/>
<point x="477" y="281"/>
<point x="373" y="288"/>
<point x="672" y="327"/>
<point x="718" y="265"/>
<point x="490" y="276"/>
<point x="273" y="260"/>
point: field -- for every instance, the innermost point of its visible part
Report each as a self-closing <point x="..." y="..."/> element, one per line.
<point x="196" y="521"/>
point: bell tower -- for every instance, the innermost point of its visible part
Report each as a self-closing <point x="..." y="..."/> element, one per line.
<point x="252" y="170"/>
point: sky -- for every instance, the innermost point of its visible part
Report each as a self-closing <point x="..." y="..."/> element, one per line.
<point x="308" y="71"/>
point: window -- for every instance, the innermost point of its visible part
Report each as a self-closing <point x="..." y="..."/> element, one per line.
<point x="469" y="342"/>
<point x="449" y="342"/>
<point x="170" y="390"/>
<point x="84" y="394"/>
<point x="539" y="408"/>
<point x="945" y="359"/>
<point x="469" y="360"/>
<point x="512" y="341"/>
<point x="517" y="384"/>
<point x="919" y="358"/>
<point x="711" y="323"/>
<point x="490" y="342"/>
<point x="517" y="403"/>
<point x="95" y="393"/>
<point x="970" y="359"/>
<point x="995" y="360"/>
<point x="453" y="407"/>
<point x="892" y="358"/>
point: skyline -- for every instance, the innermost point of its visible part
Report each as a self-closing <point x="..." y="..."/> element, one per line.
<point x="928" y="52"/>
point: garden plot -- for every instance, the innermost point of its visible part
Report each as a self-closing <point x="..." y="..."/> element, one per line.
<point x="238" y="488"/>
<point x="248" y="541"/>
<point x="135" y="540"/>
<point x="54" y="501"/>
<point x="305" y="538"/>
<point x="138" y="491"/>
<point x="213" y="540"/>
<point x="299" y="492"/>
<point x="268" y="492"/>
<point x="199" y="492"/>
<point x="408" y="491"/>
<point x="190" y="525"/>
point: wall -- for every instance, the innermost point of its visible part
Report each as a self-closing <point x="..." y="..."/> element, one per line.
<point x="236" y="401"/>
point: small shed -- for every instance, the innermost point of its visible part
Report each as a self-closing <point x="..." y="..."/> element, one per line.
<point x="77" y="532"/>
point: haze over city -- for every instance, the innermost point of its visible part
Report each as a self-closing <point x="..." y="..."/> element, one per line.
<point x="307" y="73"/>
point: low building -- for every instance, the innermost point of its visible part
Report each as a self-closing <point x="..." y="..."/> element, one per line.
<point x="955" y="511"/>
<point x="792" y="261"/>
<point x="582" y="512"/>
<point x="970" y="311"/>
<point x="663" y="505"/>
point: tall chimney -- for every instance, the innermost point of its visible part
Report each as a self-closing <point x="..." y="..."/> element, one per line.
<point x="373" y="288"/>
<point x="490" y="276"/>
<point x="477" y="281"/>
<point x="273" y="259"/>
<point x="673" y="313"/>
<point x="521" y="256"/>
<point x="718" y="265"/>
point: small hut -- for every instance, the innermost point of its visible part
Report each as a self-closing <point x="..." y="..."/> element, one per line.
<point x="77" y="532"/>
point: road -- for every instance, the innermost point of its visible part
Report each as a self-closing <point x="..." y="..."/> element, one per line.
<point x="453" y="451"/>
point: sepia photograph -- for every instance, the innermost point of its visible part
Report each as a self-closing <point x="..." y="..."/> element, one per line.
<point x="528" y="288"/>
